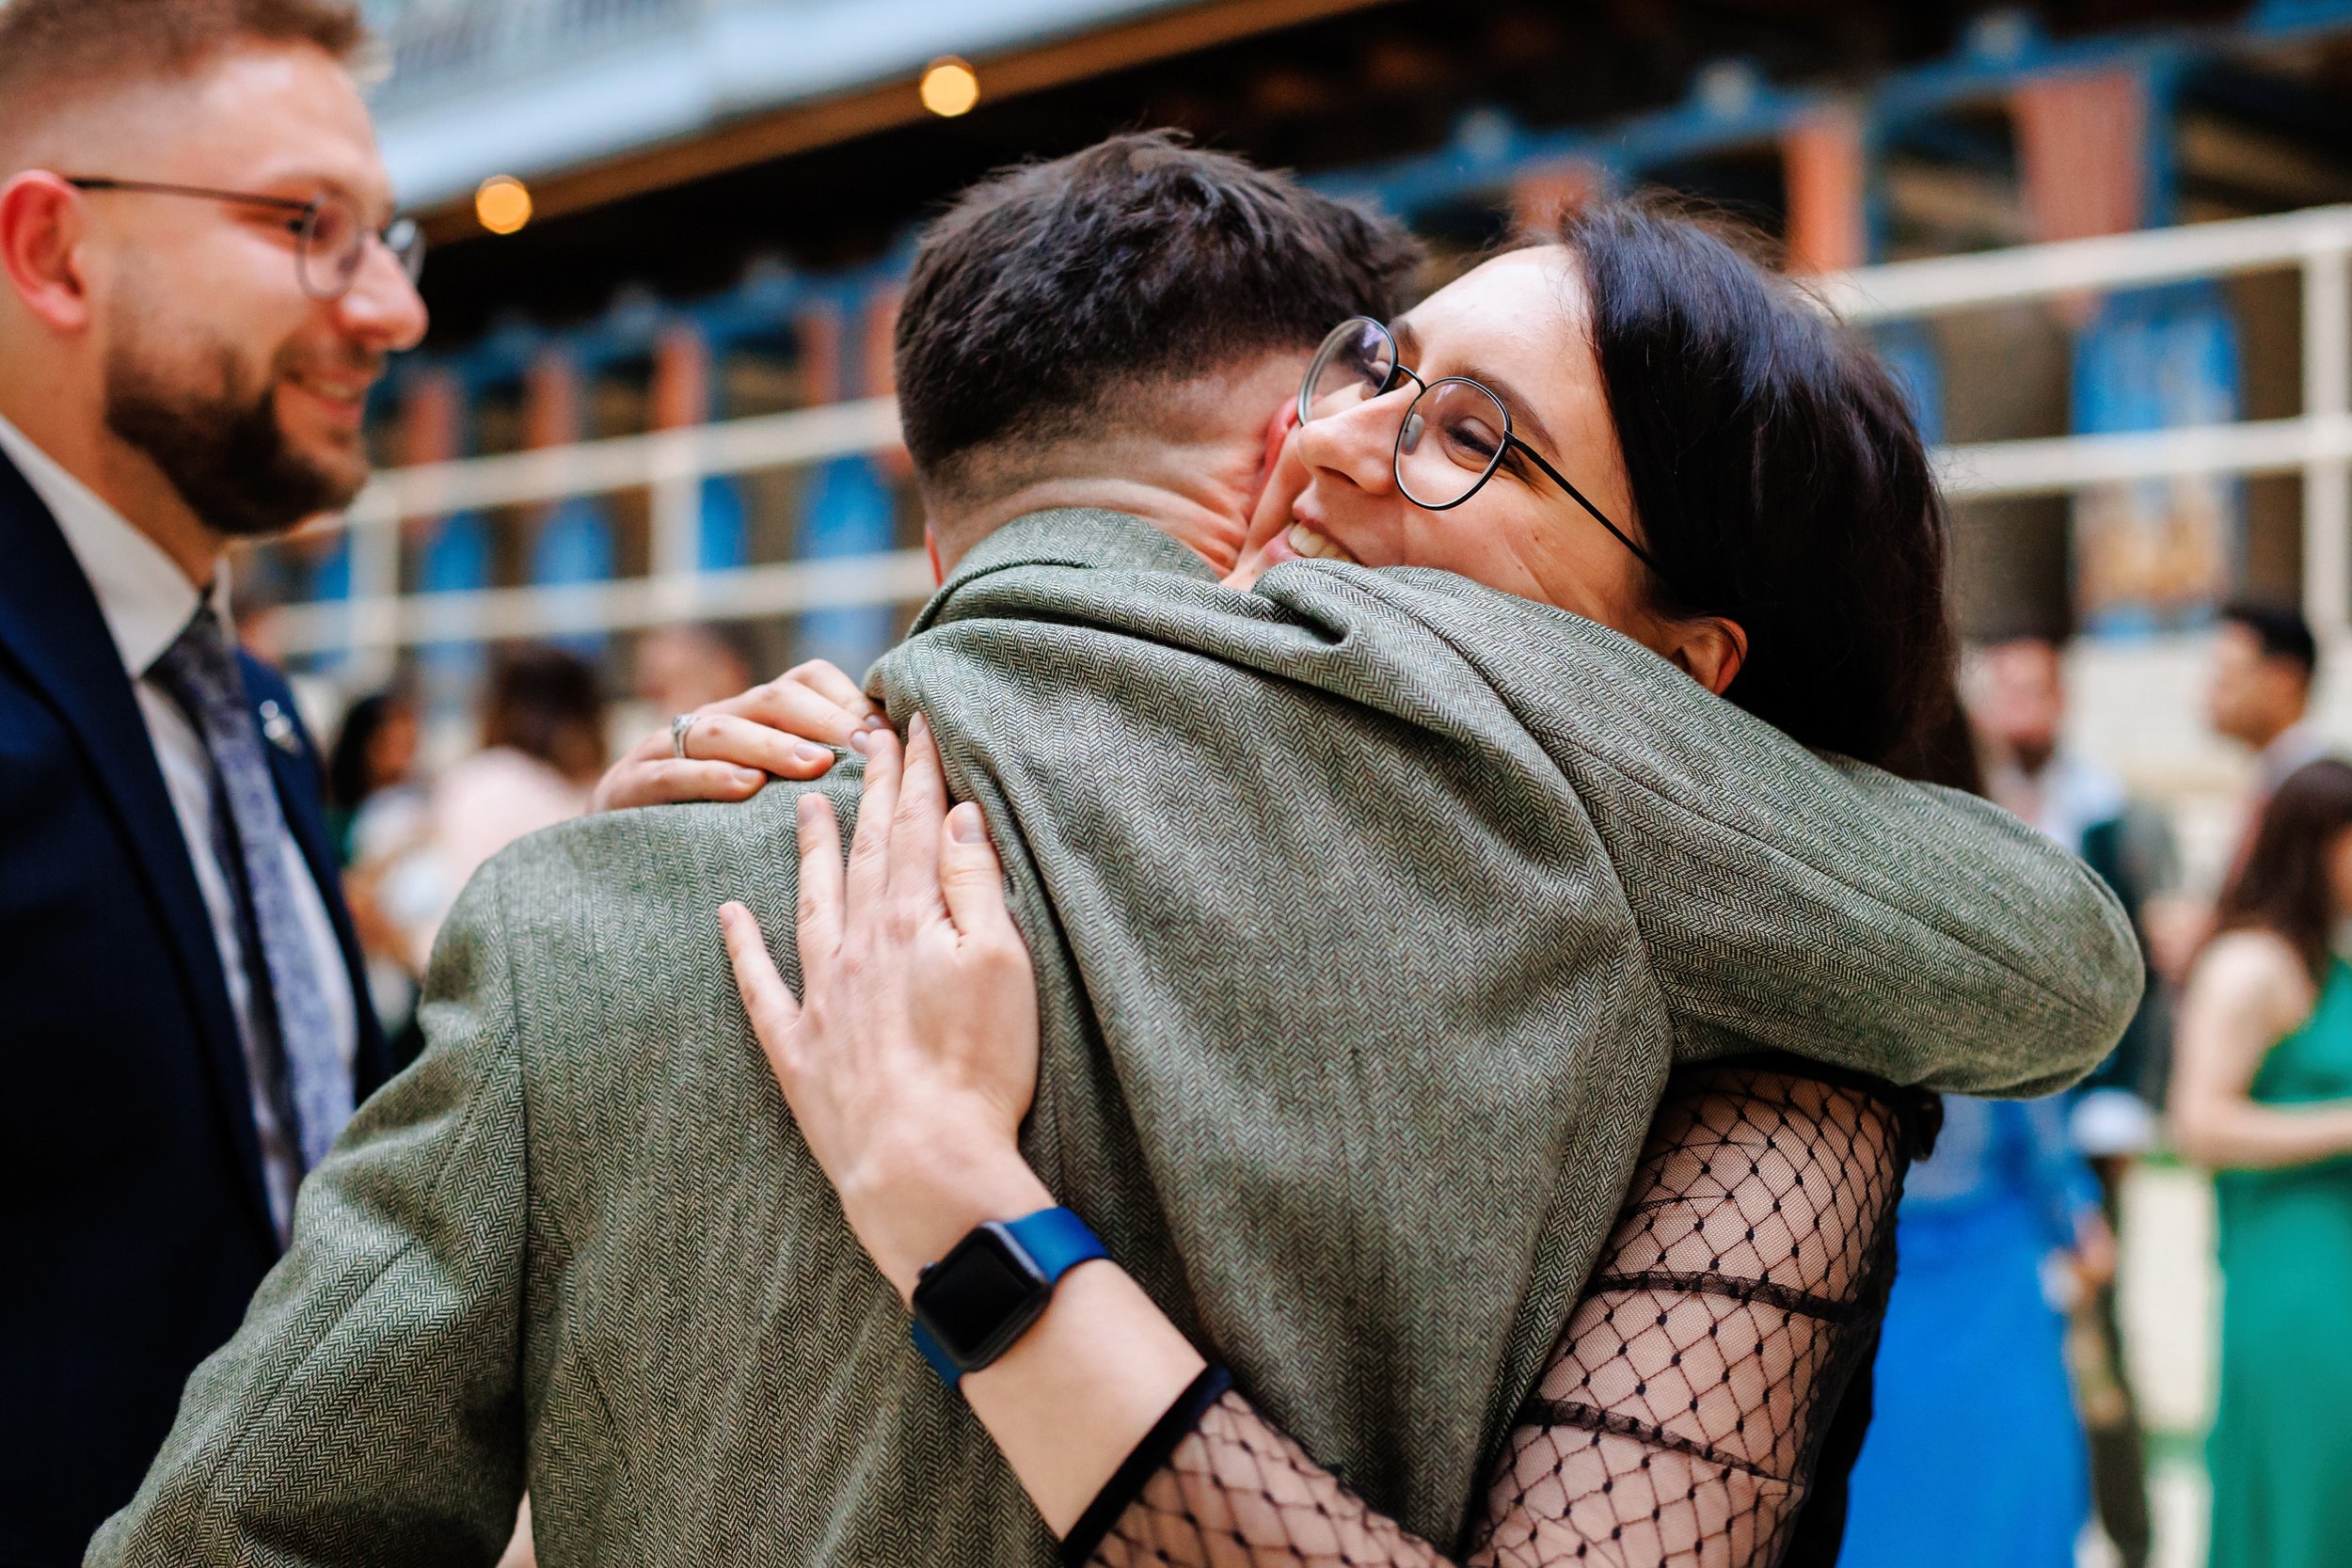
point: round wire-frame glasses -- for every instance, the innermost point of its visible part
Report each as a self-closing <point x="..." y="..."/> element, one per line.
<point x="1455" y="434"/>
<point x="330" y="237"/>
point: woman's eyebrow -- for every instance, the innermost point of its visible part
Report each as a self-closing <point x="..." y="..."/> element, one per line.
<point x="1522" y="412"/>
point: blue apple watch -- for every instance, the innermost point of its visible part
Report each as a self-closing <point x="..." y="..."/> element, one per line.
<point x="973" y="1304"/>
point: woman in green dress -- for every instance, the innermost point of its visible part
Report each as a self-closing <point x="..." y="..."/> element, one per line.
<point x="2262" y="1095"/>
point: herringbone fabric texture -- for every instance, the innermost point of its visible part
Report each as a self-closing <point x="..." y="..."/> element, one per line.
<point x="1369" y="912"/>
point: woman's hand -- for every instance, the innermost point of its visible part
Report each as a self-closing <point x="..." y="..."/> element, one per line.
<point x="911" y="1056"/>
<point x="787" y="727"/>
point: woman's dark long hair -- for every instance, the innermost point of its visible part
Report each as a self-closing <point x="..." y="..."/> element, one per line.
<point x="351" y="765"/>
<point x="1779" y="478"/>
<point x="2282" y="886"/>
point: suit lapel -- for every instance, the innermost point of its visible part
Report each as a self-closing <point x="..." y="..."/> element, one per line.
<point x="50" y="623"/>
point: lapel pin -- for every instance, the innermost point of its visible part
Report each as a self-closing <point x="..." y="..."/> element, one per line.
<point x="277" y="728"/>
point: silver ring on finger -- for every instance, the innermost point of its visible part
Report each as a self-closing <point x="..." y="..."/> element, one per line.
<point x="679" y="726"/>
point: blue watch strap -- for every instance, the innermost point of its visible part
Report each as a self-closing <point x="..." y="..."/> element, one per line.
<point x="1056" y="1241"/>
<point x="949" y="1373"/>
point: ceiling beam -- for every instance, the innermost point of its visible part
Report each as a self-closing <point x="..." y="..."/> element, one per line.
<point x="762" y="138"/>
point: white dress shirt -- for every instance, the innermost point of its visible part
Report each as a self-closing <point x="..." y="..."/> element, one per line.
<point x="147" y="602"/>
<point x="2290" y="749"/>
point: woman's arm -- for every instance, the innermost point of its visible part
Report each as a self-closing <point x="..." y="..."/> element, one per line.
<point x="2246" y="993"/>
<point x="1684" y="1406"/>
<point x="1683" y="1411"/>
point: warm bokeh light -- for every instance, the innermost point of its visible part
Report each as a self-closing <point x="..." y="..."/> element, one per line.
<point x="503" y="203"/>
<point x="950" y="86"/>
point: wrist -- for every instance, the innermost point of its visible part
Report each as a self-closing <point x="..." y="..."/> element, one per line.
<point x="909" y="1206"/>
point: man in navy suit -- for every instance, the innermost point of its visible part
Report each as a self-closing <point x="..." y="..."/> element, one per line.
<point x="198" y="288"/>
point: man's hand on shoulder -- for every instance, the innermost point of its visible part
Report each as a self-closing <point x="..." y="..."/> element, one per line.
<point x="787" y="728"/>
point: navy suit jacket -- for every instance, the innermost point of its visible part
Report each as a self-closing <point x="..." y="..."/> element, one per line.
<point x="134" y="1224"/>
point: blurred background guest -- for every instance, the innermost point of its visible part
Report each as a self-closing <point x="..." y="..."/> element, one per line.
<point x="377" y="810"/>
<point x="2263" y="666"/>
<point x="1976" y="1457"/>
<point x="2262" y="1095"/>
<point x="2259" y="693"/>
<point x="371" y="771"/>
<point x="542" y="750"/>
<point x="2019" y="709"/>
<point x="680" y="669"/>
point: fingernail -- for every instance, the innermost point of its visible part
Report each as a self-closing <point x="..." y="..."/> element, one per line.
<point x="748" y="776"/>
<point x="965" y="825"/>
<point x="919" y="730"/>
<point x="805" y="807"/>
<point x="814" y="755"/>
<point x="862" y="741"/>
<point x="873" y="721"/>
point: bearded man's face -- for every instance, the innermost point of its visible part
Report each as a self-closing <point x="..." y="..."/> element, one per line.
<point x="247" y="392"/>
<point x="213" y="413"/>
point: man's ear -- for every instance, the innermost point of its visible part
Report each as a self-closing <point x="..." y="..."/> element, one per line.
<point x="1278" y="430"/>
<point x="1711" y="651"/>
<point x="41" y="233"/>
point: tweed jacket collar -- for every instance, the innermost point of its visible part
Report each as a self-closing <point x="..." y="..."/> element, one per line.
<point x="1082" y="536"/>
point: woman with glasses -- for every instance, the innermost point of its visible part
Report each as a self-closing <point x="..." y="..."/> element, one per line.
<point x="1634" y="423"/>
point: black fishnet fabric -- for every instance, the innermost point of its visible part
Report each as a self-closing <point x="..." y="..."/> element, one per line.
<point x="1685" y="1408"/>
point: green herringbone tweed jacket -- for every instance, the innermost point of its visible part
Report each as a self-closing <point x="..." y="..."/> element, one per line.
<point x="1369" y="911"/>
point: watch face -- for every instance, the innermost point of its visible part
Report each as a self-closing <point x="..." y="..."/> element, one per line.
<point x="980" y="1297"/>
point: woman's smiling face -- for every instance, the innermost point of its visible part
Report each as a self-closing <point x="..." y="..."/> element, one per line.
<point x="1516" y="325"/>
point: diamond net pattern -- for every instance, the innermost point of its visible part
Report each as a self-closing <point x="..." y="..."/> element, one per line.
<point x="1682" y="1413"/>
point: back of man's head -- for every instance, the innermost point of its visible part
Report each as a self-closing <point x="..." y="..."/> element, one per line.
<point x="1050" y="301"/>
<point x="56" y="53"/>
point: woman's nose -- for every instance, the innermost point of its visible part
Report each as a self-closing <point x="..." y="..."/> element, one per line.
<point x="1356" y="443"/>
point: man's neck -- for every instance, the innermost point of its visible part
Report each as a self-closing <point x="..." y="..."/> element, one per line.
<point x="1195" y="476"/>
<point x="1210" y="529"/>
<point x="73" y="433"/>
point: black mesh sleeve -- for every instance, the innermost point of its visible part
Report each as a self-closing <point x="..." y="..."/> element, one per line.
<point x="1686" y="1405"/>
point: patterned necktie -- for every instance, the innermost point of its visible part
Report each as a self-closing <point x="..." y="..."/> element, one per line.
<point x="254" y="846"/>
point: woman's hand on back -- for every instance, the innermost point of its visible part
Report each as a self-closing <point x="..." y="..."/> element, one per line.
<point x="787" y="728"/>
<point x="910" y="1055"/>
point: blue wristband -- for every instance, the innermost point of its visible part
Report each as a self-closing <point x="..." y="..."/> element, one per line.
<point x="962" y="1318"/>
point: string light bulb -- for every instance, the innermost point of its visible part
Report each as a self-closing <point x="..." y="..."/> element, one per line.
<point x="503" y="203"/>
<point x="950" y="86"/>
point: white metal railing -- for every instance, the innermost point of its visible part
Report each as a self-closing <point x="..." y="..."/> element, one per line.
<point x="2317" y="241"/>
<point x="377" y="619"/>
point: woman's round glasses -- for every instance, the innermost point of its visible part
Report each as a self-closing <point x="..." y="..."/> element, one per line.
<point x="330" y="237"/>
<point x="1455" y="434"/>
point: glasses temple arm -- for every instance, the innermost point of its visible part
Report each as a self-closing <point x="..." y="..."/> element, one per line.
<point x="1578" y="496"/>
<point x="207" y="193"/>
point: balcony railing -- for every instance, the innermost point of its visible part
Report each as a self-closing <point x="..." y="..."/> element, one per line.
<point x="377" y="620"/>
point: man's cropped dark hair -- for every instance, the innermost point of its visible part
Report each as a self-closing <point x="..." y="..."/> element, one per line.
<point x="2279" y="631"/>
<point x="1053" y="296"/>
<point x="51" y="51"/>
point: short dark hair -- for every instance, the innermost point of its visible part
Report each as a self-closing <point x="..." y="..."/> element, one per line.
<point x="2282" y="886"/>
<point x="1053" y="291"/>
<point x="1778" y="475"/>
<point x="52" y="49"/>
<point x="2278" y="630"/>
